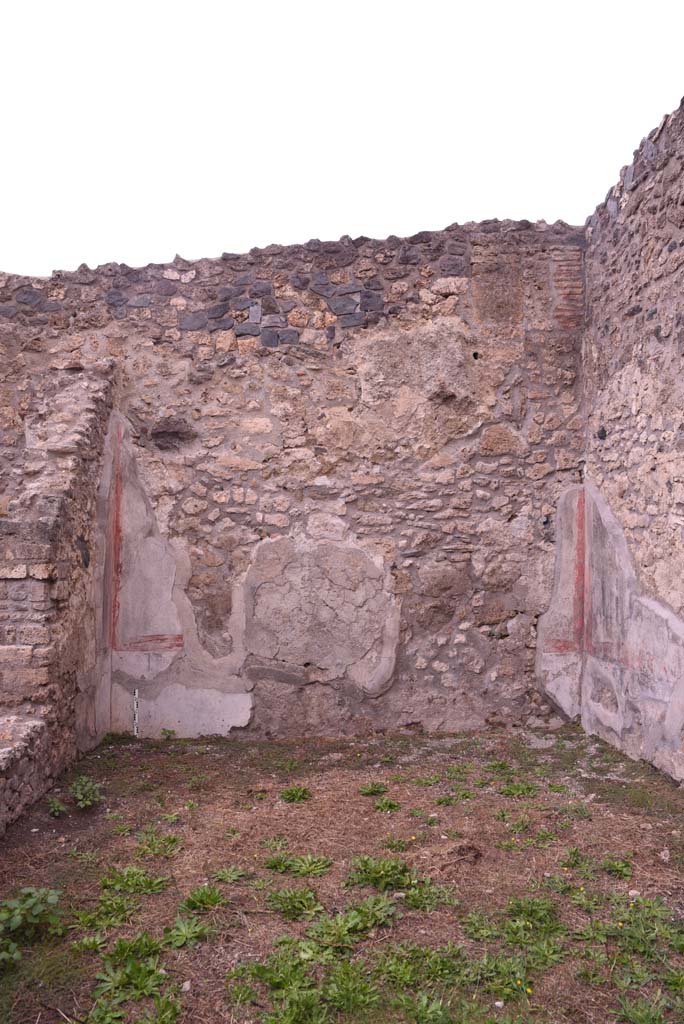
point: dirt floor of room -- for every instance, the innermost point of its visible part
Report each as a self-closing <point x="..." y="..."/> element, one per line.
<point x="511" y="877"/>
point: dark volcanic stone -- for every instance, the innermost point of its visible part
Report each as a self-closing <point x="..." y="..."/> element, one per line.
<point x="140" y="301"/>
<point x="346" y="257"/>
<point x="342" y="304"/>
<point x="269" y="337"/>
<point x="321" y="285"/>
<point x="115" y="298"/>
<point x="244" y="330"/>
<point x="299" y="281"/>
<point x="261" y="288"/>
<point x="8" y="309"/>
<point x="453" y="266"/>
<point x="410" y="257"/>
<point x="349" y="289"/>
<point x="224" y="324"/>
<point x="28" y="297"/>
<point x="289" y="336"/>
<point x="372" y="301"/>
<point x="194" y="321"/>
<point x="217" y="311"/>
<point x="351" y="320"/>
<point x="273" y="320"/>
<point x="165" y="287"/>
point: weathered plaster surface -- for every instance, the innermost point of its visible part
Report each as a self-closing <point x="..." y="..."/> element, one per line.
<point x="606" y="652"/>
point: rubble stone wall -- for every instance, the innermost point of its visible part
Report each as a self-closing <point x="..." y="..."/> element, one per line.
<point x="305" y="489"/>
<point x="611" y="646"/>
<point x="49" y="670"/>
<point x="633" y="357"/>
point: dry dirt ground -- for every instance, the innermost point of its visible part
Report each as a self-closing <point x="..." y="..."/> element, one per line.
<point x="502" y="878"/>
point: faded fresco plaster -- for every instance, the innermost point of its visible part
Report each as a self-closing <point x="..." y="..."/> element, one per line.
<point x="606" y="652"/>
<point x="312" y="608"/>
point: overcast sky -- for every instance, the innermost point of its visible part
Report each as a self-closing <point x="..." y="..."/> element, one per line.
<point x="135" y="130"/>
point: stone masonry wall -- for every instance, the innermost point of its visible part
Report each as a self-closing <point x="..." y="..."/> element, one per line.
<point x="612" y="645"/>
<point x="633" y="354"/>
<point x="47" y="619"/>
<point x="323" y="499"/>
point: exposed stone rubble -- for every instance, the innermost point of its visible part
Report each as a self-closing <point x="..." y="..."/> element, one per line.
<point x="621" y="551"/>
<point x="313" y="489"/>
<point x="49" y="659"/>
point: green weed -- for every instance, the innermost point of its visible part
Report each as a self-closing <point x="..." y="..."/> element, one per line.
<point x="86" y="792"/>
<point x="186" y="931"/>
<point x="24" y="918"/>
<point x="373" y="789"/>
<point x="133" y="880"/>
<point x="203" y="898"/>
<point x="294" y="904"/>
<point x="295" y="794"/>
<point x="152" y="843"/>
<point x="386" y="805"/>
<point x="229" y="875"/>
<point x="55" y="807"/>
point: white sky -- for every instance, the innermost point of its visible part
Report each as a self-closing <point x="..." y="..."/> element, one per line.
<point x="134" y="130"/>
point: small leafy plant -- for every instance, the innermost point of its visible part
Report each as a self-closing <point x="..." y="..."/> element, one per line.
<point x="386" y="805"/>
<point x="86" y="792"/>
<point x="295" y="794"/>
<point x="618" y="868"/>
<point x="275" y="843"/>
<point x="519" y="789"/>
<point x="203" y="898"/>
<point x="373" y="789"/>
<point x="186" y="931"/>
<point x="55" y="807"/>
<point x="112" y="911"/>
<point x="133" y="979"/>
<point x="294" y="904"/>
<point x="230" y="874"/>
<point x="152" y="843"/>
<point x="24" y="918"/>
<point x="382" y="873"/>
<point x="133" y="880"/>
<point x="306" y="865"/>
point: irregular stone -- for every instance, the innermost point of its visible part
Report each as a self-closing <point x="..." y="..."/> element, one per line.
<point x="351" y="320"/>
<point x="247" y="329"/>
<point x="193" y="321"/>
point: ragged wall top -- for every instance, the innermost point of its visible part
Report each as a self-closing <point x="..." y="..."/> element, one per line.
<point x="343" y="459"/>
<point x="633" y="358"/>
